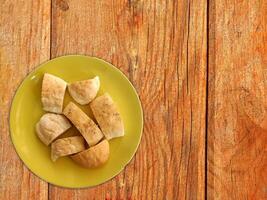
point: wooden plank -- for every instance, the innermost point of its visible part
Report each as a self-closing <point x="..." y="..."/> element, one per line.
<point x="161" y="46"/>
<point x="24" y="43"/>
<point x="237" y="130"/>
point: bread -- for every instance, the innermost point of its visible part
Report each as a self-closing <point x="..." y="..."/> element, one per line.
<point x="107" y="116"/>
<point x="87" y="127"/>
<point x="50" y="126"/>
<point x="67" y="146"/>
<point x="84" y="91"/>
<point x="53" y="91"/>
<point x="94" y="156"/>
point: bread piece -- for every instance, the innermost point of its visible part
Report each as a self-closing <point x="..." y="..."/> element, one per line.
<point x="84" y="91"/>
<point x="67" y="146"/>
<point x="51" y="126"/>
<point x="87" y="127"/>
<point x="94" y="156"/>
<point x="107" y="116"/>
<point x="53" y="91"/>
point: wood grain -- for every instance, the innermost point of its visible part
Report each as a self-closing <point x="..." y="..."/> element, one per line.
<point x="237" y="118"/>
<point x="162" y="47"/>
<point x="24" y="43"/>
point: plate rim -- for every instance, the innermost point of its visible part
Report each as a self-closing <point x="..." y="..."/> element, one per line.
<point x="11" y="128"/>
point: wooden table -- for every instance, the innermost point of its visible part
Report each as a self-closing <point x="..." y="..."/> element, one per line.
<point x="200" y="68"/>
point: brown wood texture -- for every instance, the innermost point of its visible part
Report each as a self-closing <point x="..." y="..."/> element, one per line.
<point x="168" y="49"/>
<point x="161" y="46"/>
<point x="24" y="43"/>
<point x="237" y="117"/>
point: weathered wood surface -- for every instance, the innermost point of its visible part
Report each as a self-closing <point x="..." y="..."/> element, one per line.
<point x="167" y="50"/>
<point x="161" y="47"/>
<point x="24" y="43"/>
<point x="237" y="117"/>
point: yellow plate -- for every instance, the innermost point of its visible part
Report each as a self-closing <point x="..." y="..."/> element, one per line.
<point x="26" y="111"/>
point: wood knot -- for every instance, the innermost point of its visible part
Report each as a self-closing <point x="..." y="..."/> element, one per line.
<point x="133" y="3"/>
<point x="137" y="7"/>
<point x="63" y="5"/>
